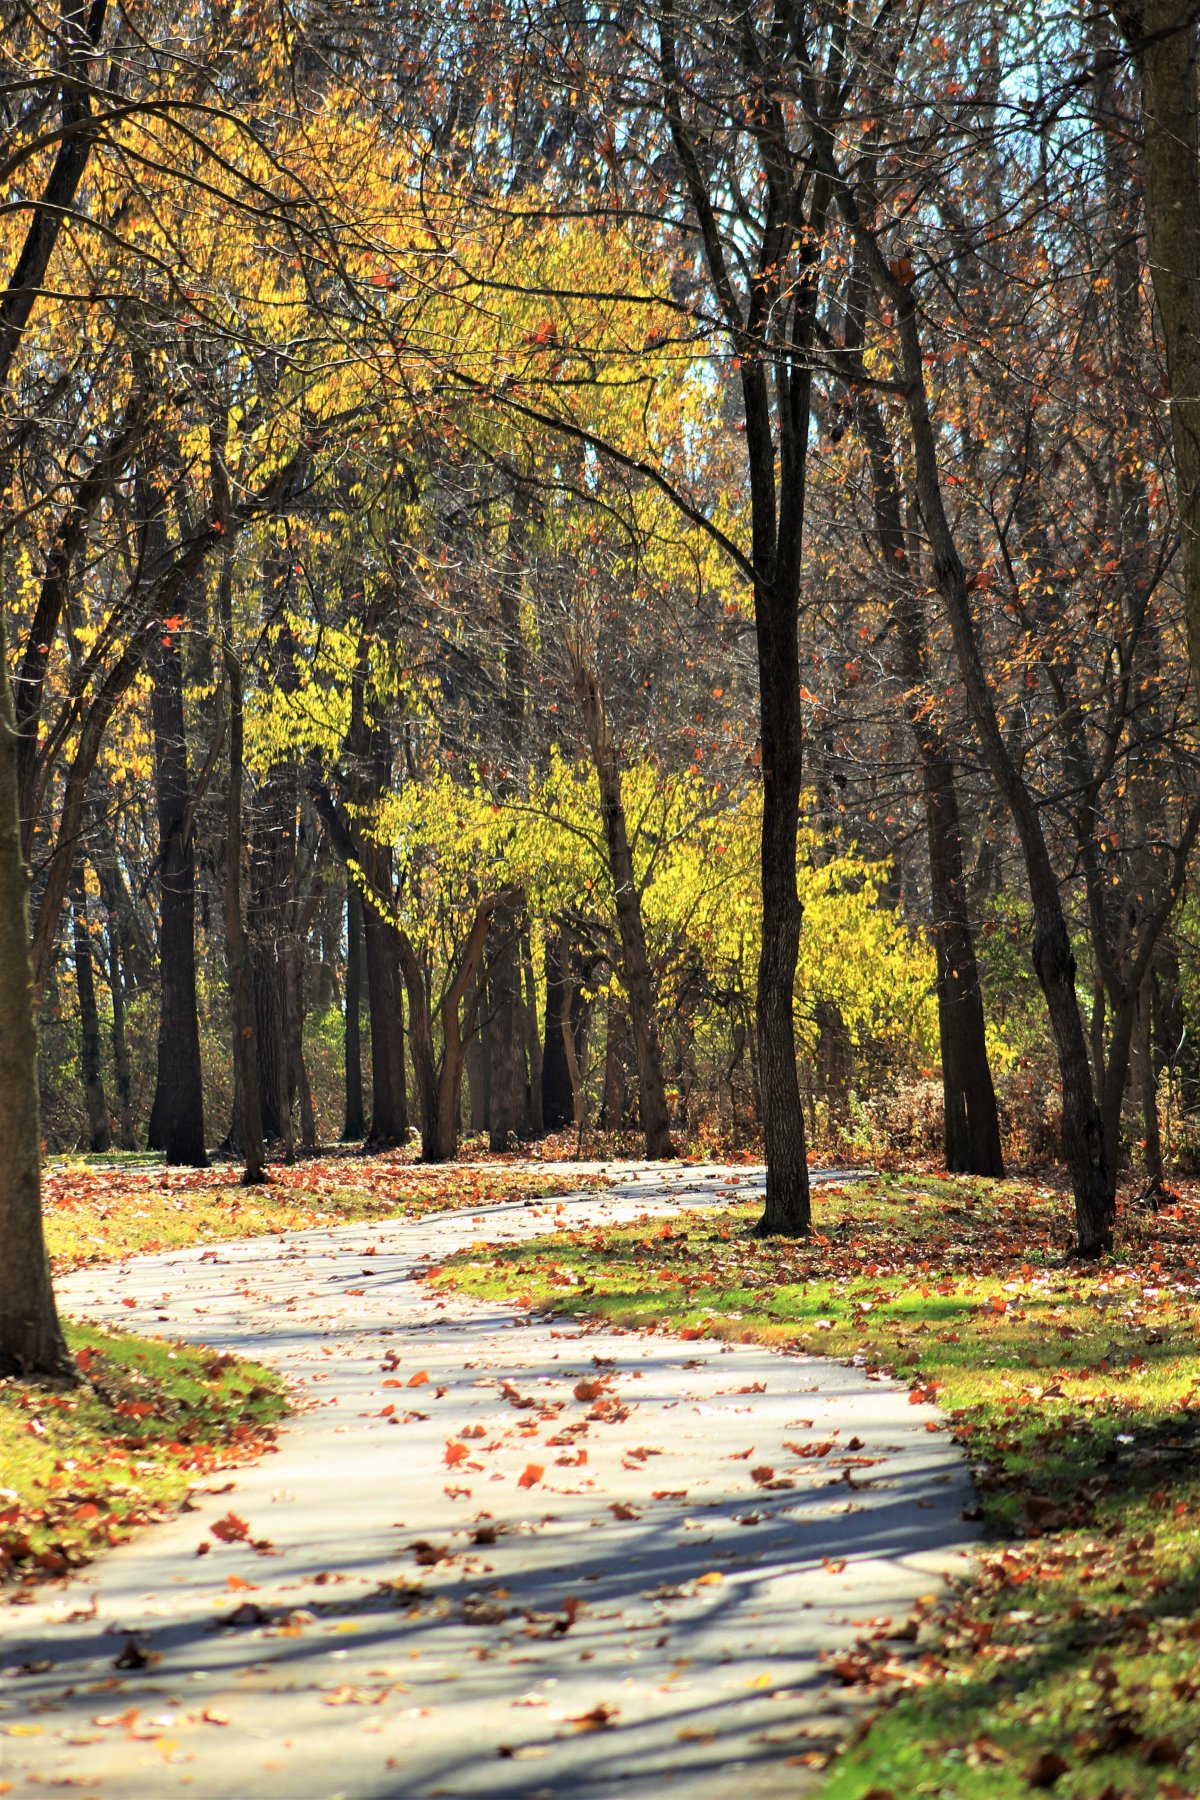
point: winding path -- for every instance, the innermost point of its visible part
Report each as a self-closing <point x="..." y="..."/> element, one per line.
<point x="644" y="1617"/>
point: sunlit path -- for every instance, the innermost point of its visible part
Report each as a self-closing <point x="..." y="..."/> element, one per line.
<point x="402" y="1616"/>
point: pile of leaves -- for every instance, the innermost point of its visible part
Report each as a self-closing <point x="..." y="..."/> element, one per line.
<point x="98" y="1211"/>
<point x="81" y="1467"/>
<point x="1069" y="1662"/>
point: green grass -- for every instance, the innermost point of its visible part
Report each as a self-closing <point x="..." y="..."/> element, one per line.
<point x="1070" y="1663"/>
<point x="80" y="1468"/>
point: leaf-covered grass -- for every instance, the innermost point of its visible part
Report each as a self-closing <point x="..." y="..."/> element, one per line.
<point x="1071" y="1662"/>
<point x="101" y="1209"/>
<point x="80" y="1468"/>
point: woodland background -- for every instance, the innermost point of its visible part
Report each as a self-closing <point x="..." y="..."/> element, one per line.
<point x="456" y="462"/>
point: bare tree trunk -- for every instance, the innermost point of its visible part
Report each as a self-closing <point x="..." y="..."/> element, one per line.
<point x="355" y="1125"/>
<point x="477" y="1071"/>
<point x="122" y="1073"/>
<point x="31" y="1339"/>
<point x="557" y="1103"/>
<point x="389" y="1085"/>
<point x="99" y="1130"/>
<point x="635" y="958"/>
<point x="237" y="949"/>
<point x="1053" y="957"/>
<point x="506" y="1041"/>
<point x="177" y="1115"/>
<point x="533" y="1041"/>
<point x="1162" y="35"/>
<point x="612" y="1114"/>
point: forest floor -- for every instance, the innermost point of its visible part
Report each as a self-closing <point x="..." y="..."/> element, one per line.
<point x="492" y="1553"/>
<point x="1068" y="1661"/>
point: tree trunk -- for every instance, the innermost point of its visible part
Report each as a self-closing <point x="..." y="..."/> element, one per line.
<point x="271" y="1044"/>
<point x="612" y="1112"/>
<point x="299" y="1087"/>
<point x="177" y="1115"/>
<point x="557" y="1105"/>
<point x="533" y="1041"/>
<point x="1116" y="1080"/>
<point x="247" y="1078"/>
<point x="635" y="959"/>
<point x="389" y="1097"/>
<point x="122" y="1074"/>
<point x="972" y="1120"/>
<point x="354" y="1127"/>
<point x="99" y="1129"/>
<point x="1162" y="37"/>
<point x="477" y="1073"/>
<point x="787" y="1212"/>
<point x="1053" y="958"/>
<point x="31" y="1339"/>
<point x="1147" y="1088"/>
<point x="506" y="1045"/>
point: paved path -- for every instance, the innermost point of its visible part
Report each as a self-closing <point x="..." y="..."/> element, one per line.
<point x="643" y="1619"/>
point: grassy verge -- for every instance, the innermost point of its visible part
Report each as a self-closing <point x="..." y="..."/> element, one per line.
<point x="102" y="1209"/>
<point x="80" y="1469"/>
<point x="1071" y="1663"/>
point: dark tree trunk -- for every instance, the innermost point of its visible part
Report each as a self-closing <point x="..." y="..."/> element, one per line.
<point x="1053" y="958"/>
<point x="635" y="958"/>
<point x="300" y="1098"/>
<point x="271" y="1042"/>
<point x="612" y="1111"/>
<point x="1116" y="1080"/>
<point x="557" y="1109"/>
<point x="389" y="1098"/>
<point x="177" y="1115"/>
<point x="122" y="1073"/>
<point x="506" y="1041"/>
<point x="243" y="1012"/>
<point x="99" y="1130"/>
<point x="31" y="1338"/>
<point x="354" y="1127"/>
<point x="1147" y="1087"/>
<point x="477" y="1071"/>
<point x="533" y="1042"/>
<point x="971" y="1118"/>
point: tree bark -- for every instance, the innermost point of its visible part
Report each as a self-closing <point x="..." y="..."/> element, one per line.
<point x="612" y="1114"/>
<point x="1162" y="34"/>
<point x="557" y="1104"/>
<point x="354" y="1127"/>
<point x="506" y="1042"/>
<point x="389" y="1097"/>
<point x="635" y="958"/>
<point x="1147" y="1087"/>
<point x="99" y="1129"/>
<point x="1053" y="957"/>
<point x="31" y="1339"/>
<point x="237" y="947"/>
<point x="177" y="1114"/>
<point x="533" y="1041"/>
<point x="970" y="1115"/>
<point x="122" y="1073"/>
